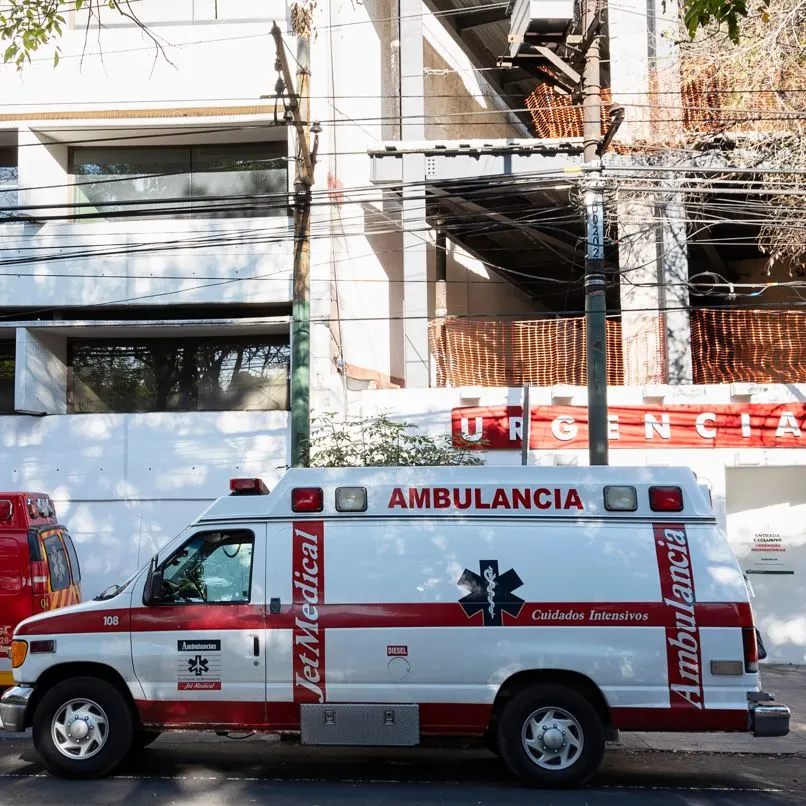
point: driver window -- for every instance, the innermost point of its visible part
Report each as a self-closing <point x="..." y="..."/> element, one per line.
<point x="211" y="568"/>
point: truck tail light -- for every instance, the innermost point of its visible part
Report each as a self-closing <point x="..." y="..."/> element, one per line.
<point x="19" y="651"/>
<point x="39" y="577"/>
<point x="620" y="499"/>
<point x="307" y="499"/>
<point x="248" y="487"/>
<point x="666" y="499"/>
<point x="750" y="649"/>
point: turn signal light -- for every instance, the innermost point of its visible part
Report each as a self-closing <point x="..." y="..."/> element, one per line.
<point x="666" y="499"/>
<point x="19" y="652"/>
<point x="307" y="499"/>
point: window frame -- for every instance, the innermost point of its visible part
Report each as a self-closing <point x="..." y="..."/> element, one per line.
<point x="273" y="150"/>
<point x="203" y="533"/>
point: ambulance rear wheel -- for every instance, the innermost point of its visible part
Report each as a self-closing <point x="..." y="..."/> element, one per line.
<point x="82" y="728"/>
<point x="551" y="736"/>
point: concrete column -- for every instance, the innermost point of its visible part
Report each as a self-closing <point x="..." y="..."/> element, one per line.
<point x="675" y="273"/>
<point x="43" y="167"/>
<point x="413" y="221"/>
<point x="40" y="384"/>
<point x="656" y="334"/>
<point x="629" y="67"/>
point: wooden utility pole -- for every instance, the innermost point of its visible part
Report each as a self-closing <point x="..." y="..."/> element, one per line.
<point x="595" y="302"/>
<point x="299" y="107"/>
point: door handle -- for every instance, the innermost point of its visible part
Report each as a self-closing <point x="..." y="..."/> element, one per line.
<point x="274" y="604"/>
<point x="256" y="647"/>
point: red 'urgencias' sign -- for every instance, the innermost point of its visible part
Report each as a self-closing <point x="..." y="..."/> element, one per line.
<point x="757" y="425"/>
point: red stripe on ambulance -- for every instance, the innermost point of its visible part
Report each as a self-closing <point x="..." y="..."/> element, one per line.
<point x="308" y="581"/>
<point x="683" y="659"/>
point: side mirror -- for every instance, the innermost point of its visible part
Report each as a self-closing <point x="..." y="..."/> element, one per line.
<point x="154" y="591"/>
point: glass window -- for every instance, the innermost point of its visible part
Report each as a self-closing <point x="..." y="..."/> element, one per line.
<point x="112" y="180"/>
<point x="178" y="375"/>
<point x="211" y="568"/>
<point x="7" y="363"/>
<point x="71" y="552"/>
<point x="9" y="179"/>
<point x="57" y="563"/>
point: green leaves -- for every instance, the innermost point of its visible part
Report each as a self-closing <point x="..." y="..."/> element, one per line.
<point x="699" y="14"/>
<point x="27" y="26"/>
<point x="381" y="442"/>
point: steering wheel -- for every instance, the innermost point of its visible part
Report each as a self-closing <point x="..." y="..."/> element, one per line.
<point x="187" y="591"/>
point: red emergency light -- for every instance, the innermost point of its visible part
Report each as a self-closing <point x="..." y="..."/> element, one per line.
<point x="307" y="499"/>
<point x="666" y="499"/>
<point x="248" y="487"/>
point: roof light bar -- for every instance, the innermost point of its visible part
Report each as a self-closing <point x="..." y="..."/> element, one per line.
<point x="248" y="487"/>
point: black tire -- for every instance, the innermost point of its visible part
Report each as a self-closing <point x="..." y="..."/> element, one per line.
<point x="515" y="727"/>
<point x="143" y="738"/>
<point x="117" y="735"/>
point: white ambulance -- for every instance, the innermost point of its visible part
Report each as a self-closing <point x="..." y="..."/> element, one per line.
<point x="542" y="609"/>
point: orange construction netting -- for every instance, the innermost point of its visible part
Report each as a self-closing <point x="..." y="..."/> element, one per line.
<point x="544" y="352"/>
<point x="557" y="116"/>
<point x="762" y="346"/>
<point x="745" y="346"/>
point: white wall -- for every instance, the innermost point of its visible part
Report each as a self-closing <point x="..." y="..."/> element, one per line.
<point x="125" y="484"/>
<point x="148" y="263"/>
<point x="217" y="61"/>
<point x="779" y="602"/>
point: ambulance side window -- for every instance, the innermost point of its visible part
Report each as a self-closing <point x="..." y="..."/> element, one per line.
<point x="57" y="563"/>
<point x="210" y="568"/>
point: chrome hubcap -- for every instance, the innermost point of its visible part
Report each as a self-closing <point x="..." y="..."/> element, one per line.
<point x="79" y="729"/>
<point x="552" y="738"/>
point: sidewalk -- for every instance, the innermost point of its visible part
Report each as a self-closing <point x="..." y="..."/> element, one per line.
<point x="787" y="683"/>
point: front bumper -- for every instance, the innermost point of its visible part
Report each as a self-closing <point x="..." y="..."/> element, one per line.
<point x="13" y="705"/>
<point x="767" y="717"/>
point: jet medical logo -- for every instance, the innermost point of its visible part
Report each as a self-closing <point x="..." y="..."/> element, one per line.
<point x="199" y="665"/>
<point x="490" y="593"/>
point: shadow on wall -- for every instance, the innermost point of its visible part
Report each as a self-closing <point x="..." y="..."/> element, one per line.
<point x="383" y="14"/>
<point x="126" y="484"/>
<point x="455" y="99"/>
<point x="388" y="249"/>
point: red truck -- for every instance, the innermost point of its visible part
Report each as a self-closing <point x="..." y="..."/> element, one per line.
<point x="39" y="568"/>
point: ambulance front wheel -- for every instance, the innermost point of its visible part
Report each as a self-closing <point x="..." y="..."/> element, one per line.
<point x="551" y="736"/>
<point x="83" y="728"/>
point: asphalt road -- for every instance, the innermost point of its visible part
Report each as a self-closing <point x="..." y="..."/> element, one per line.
<point x="213" y="772"/>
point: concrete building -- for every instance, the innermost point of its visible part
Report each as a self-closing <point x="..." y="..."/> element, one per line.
<point x="148" y="249"/>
